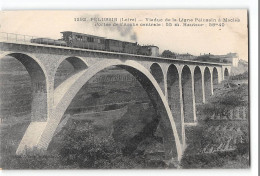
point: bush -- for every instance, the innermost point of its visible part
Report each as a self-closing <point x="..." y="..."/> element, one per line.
<point x="240" y="76"/>
<point x="242" y="148"/>
<point x="86" y="151"/>
<point x="222" y="103"/>
<point x="206" y="160"/>
<point x="32" y="159"/>
<point x="168" y="54"/>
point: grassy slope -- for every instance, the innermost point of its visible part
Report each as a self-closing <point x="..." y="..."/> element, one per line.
<point x="227" y="97"/>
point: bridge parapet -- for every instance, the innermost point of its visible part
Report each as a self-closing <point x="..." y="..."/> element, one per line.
<point x="22" y="43"/>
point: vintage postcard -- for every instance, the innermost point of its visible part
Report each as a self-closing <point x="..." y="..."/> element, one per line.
<point x="124" y="89"/>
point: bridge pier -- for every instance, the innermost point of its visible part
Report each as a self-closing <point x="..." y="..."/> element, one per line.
<point x="211" y="81"/>
<point x="193" y="97"/>
<point x="203" y="87"/>
<point x="166" y="92"/>
<point x="40" y="99"/>
<point x="215" y="78"/>
<point x="207" y="83"/>
<point x="182" y="111"/>
<point x="39" y="117"/>
<point x="225" y="72"/>
<point x="174" y="99"/>
<point x="169" y="144"/>
<point x="188" y="95"/>
<point x="198" y="86"/>
<point x="159" y="76"/>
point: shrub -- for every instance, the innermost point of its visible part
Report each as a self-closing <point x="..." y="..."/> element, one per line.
<point x="168" y="54"/>
<point x="83" y="149"/>
<point x="31" y="159"/>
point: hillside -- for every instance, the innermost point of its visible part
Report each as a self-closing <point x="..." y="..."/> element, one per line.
<point x="242" y="67"/>
<point x="221" y="138"/>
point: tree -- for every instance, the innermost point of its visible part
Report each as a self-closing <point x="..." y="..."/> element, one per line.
<point x="85" y="150"/>
<point x="168" y="54"/>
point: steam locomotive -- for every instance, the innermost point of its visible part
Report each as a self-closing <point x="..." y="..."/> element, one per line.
<point x="86" y="41"/>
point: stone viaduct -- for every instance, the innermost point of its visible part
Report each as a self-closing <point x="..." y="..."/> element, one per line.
<point x="175" y="87"/>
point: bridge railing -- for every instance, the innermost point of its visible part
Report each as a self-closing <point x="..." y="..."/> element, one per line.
<point x="11" y="37"/>
<point x="19" y="38"/>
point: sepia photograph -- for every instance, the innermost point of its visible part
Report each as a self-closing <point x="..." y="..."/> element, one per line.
<point x="124" y="89"/>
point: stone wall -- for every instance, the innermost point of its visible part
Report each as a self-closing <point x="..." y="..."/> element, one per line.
<point x="237" y="113"/>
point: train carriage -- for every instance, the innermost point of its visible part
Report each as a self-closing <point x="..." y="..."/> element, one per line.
<point x="114" y="45"/>
<point x="46" y="41"/>
<point x="86" y="41"/>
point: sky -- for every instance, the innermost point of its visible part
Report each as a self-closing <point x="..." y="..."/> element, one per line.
<point x="232" y="37"/>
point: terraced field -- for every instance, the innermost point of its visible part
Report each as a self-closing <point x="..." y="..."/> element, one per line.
<point x="221" y="138"/>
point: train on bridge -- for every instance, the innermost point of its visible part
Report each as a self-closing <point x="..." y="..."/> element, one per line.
<point x="86" y="41"/>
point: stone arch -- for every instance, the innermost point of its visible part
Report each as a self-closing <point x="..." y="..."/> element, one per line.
<point x="198" y="88"/>
<point x="187" y="95"/>
<point x="226" y="74"/>
<point x="39" y="81"/>
<point x="156" y="71"/>
<point x="71" y="87"/>
<point x="68" y="67"/>
<point x="174" y="99"/>
<point x="207" y="83"/>
<point x="215" y="77"/>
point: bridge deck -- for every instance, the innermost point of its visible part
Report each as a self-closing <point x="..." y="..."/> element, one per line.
<point x="111" y="53"/>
